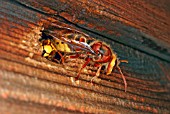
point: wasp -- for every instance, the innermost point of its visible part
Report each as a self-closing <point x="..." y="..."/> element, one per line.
<point x="104" y="56"/>
<point x="59" y="42"/>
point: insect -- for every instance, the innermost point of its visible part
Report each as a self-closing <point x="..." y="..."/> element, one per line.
<point x="73" y="38"/>
<point x="59" y="42"/>
<point x="104" y="57"/>
<point x="50" y="50"/>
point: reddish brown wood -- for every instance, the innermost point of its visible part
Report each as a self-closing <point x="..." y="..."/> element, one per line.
<point x="137" y="30"/>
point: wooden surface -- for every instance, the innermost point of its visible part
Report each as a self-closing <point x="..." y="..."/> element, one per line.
<point x="137" y="31"/>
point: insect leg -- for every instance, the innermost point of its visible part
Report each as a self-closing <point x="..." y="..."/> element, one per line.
<point x="123" y="61"/>
<point x="123" y="77"/>
<point x="52" y="56"/>
<point x="84" y="65"/>
<point x="75" y="56"/>
<point x="62" y="57"/>
<point x="97" y="73"/>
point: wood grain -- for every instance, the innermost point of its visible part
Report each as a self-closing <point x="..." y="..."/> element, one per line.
<point x="137" y="31"/>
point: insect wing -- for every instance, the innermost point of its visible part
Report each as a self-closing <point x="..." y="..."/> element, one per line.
<point x="73" y="43"/>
